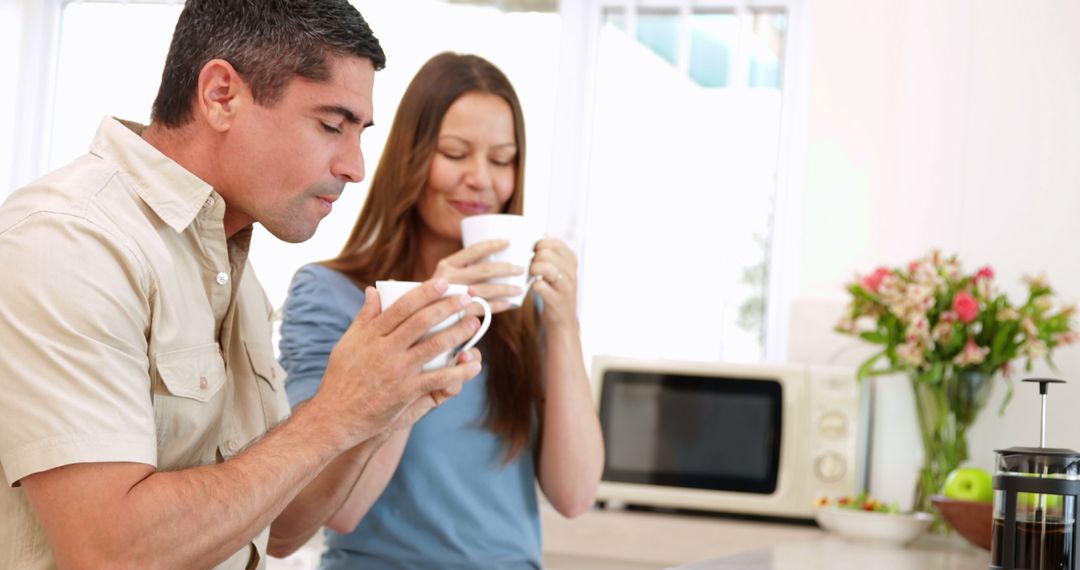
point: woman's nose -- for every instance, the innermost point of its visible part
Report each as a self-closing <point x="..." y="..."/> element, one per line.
<point x="478" y="174"/>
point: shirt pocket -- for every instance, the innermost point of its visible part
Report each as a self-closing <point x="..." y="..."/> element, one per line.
<point x="189" y="405"/>
<point x="197" y="373"/>
<point x="271" y="382"/>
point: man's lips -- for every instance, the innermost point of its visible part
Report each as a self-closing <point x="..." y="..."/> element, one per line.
<point x="327" y="201"/>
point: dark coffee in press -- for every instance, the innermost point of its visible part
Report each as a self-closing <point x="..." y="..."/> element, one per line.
<point x="1040" y="545"/>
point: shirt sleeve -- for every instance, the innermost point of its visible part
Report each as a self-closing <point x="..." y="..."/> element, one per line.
<point x="74" y="315"/>
<point x="313" y="322"/>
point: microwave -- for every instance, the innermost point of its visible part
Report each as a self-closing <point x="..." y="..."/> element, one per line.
<point x="746" y="439"/>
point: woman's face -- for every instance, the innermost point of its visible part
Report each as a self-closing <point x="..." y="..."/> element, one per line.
<point x="474" y="167"/>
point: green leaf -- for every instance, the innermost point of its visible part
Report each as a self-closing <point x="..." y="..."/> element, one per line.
<point x="875" y="337"/>
<point x="933" y="375"/>
<point x="866" y="370"/>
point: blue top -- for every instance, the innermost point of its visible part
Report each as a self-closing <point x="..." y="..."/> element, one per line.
<point x="451" y="503"/>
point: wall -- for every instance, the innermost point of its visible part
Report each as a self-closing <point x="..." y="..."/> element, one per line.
<point x="11" y="25"/>
<point x="941" y="124"/>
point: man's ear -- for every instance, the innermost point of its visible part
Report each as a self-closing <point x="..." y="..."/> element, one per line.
<point x="221" y="93"/>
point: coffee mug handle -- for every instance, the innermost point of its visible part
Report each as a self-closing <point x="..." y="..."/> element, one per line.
<point x="484" y="324"/>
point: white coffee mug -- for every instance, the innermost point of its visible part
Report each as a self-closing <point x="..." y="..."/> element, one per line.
<point x="391" y="291"/>
<point x="521" y="234"/>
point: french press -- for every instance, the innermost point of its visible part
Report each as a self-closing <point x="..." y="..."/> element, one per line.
<point x="1035" y="494"/>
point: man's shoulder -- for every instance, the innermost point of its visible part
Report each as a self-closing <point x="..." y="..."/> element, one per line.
<point x="88" y="188"/>
<point x="65" y="191"/>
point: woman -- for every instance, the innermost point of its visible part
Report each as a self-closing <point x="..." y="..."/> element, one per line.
<point x="457" y="490"/>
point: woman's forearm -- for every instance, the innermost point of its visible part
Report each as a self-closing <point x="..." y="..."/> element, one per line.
<point x="572" y="448"/>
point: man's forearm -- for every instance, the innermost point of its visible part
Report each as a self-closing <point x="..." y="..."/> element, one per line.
<point x="320" y="499"/>
<point x="192" y="518"/>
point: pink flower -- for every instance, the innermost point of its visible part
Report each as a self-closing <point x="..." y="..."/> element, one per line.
<point x="986" y="272"/>
<point x="966" y="307"/>
<point x="873" y="281"/>
<point x="972" y="354"/>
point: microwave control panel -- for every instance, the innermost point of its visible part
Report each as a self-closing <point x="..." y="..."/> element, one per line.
<point x="836" y="428"/>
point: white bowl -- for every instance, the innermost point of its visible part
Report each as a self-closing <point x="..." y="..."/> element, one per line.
<point x="866" y="525"/>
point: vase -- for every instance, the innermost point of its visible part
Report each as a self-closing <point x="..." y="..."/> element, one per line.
<point x="945" y="410"/>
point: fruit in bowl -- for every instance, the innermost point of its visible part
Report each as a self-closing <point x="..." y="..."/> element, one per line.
<point x="971" y="519"/>
<point x="866" y="518"/>
<point x="969" y="484"/>
<point x="967" y="505"/>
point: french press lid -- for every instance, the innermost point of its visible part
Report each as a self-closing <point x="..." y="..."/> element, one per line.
<point x="1040" y="460"/>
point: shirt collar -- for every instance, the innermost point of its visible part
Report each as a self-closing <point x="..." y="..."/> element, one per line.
<point x="172" y="192"/>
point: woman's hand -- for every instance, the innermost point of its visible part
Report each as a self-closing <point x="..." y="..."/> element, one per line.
<point x="556" y="265"/>
<point x="467" y="267"/>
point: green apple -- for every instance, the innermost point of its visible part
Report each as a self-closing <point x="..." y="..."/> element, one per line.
<point x="969" y="484"/>
<point x="1030" y="501"/>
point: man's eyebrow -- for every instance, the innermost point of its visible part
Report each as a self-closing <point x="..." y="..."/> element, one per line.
<point x="344" y="112"/>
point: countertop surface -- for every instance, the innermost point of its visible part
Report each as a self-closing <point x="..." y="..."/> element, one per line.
<point x="629" y="540"/>
<point x="834" y="553"/>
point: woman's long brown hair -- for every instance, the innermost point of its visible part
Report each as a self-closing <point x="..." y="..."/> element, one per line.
<point x="383" y="243"/>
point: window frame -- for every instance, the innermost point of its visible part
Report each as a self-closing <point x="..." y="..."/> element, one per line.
<point x="568" y="196"/>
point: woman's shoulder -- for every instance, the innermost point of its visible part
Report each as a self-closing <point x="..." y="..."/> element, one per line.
<point x="316" y="283"/>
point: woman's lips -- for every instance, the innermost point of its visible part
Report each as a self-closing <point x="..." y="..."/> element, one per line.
<point x="470" y="208"/>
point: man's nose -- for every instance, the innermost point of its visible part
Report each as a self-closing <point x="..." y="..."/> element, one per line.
<point x="349" y="164"/>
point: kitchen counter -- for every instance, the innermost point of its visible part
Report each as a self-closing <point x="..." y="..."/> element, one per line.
<point x="834" y="553"/>
<point x="633" y="540"/>
<point x="641" y="540"/>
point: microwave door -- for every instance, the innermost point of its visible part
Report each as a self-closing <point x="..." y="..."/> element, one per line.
<point x="686" y="431"/>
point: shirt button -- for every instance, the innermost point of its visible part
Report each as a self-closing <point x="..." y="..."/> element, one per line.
<point x="231" y="446"/>
<point x="202" y="382"/>
<point x="209" y="202"/>
<point x="222" y="278"/>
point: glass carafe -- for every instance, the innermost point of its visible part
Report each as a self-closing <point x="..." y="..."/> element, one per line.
<point x="1042" y="484"/>
<point x="1035" y="494"/>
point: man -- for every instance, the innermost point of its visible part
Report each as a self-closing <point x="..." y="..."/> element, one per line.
<point x="139" y="423"/>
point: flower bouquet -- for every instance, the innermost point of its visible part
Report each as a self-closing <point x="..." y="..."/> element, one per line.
<point x="951" y="333"/>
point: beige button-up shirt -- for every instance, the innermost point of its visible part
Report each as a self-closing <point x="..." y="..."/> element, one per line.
<point x="130" y="329"/>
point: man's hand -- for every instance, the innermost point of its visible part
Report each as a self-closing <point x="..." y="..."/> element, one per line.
<point x="374" y="372"/>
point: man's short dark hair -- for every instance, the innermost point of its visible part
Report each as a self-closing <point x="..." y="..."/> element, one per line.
<point x="267" y="41"/>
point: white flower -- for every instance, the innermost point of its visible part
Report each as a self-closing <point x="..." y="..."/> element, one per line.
<point x="1036" y="282"/>
<point x="847" y="324"/>
<point x="918" y="330"/>
<point x="911" y="353"/>
<point x="943" y="332"/>
<point x="1008" y="314"/>
<point x="1034" y="349"/>
<point x="1028" y="325"/>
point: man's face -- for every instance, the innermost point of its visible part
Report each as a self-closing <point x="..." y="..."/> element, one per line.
<point x="288" y="163"/>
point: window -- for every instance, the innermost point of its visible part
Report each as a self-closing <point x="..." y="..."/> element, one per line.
<point x="683" y="176"/>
